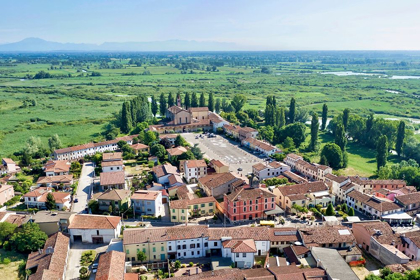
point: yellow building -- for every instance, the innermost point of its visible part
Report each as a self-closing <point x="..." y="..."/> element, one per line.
<point x="219" y="166"/>
<point x="153" y="246"/>
<point x="199" y="113"/>
<point x="181" y="210"/>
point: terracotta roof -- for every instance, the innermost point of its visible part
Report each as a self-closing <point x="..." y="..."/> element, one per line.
<point x="386" y="236"/>
<point x="259" y="166"/>
<point x="373" y="202"/>
<point x="5" y="187"/>
<point x="111" y="156"/>
<point x="57" y="166"/>
<point x="294" y="156"/>
<point x="174" y="179"/>
<point x="165" y="169"/>
<point x="326" y="235"/>
<point x="84" y="221"/>
<point x="218" y="163"/>
<point x="222" y="274"/>
<point x="175" y="109"/>
<point x="59" y="197"/>
<point x="59" y="179"/>
<point x="16" y="219"/>
<point x="338" y="179"/>
<point x="348" y="186"/>
<point x="8" y="161"/>
<point x="50" y="265"/>
<point x="296" y="197"/>
<point x="216" y="180"/>
<point x="177" y="151"/>
<point x="214" y="118"/>
<point x="37" y="192"/>
<point x="112" y="178"/>
<point x="197" y="163"/>
<point x="179" y="204"/>
<point x="131" y="276"/>
<point x="200" y="200"/>
<point x="249" y="194"/>
<point x="139" y="146"/>
<point x="294" y="177"/>
<point x="184" y="193"/>
<point x="283" y="234"/>
<point x="255" y="233"/>
<point x="111" y="266"/>
<point x="260" y="144"/>
<point x="115" y="195"/>
<point x="414" y="236"/>
<point x="292" y="272"/>
<point x="307" y="165"/>
<point x="169" y="136"/>
<point x="304" y="188"/>
<point x="145" y="195"/>
<point x="112" y="163"/>
<point x="408" y="199"/>
<point x="198" y="109"/>
<point x="240" y="246"/>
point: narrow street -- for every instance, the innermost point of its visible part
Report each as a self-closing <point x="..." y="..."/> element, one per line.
<point x="84" y="187"/>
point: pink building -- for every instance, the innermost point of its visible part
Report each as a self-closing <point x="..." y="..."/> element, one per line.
<point x="6" y="193"/>
<point x="248" y="204"/>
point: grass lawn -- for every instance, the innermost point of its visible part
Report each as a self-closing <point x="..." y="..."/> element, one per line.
<point x="11" y="270"/>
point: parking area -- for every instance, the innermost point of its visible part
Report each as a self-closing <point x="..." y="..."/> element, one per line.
<point x="229" y="152"/>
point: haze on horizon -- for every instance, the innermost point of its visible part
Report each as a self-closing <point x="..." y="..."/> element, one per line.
<point x="251" y="25"/>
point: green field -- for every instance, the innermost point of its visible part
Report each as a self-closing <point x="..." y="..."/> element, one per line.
<point x="76" y="105"/>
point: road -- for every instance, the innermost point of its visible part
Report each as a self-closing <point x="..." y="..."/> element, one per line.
<point x="84" y="187"/>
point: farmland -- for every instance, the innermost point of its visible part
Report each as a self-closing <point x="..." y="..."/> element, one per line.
<point x="76" y="104"/>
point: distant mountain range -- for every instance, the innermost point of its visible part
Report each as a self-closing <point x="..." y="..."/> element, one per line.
<point x="40" y="45"/>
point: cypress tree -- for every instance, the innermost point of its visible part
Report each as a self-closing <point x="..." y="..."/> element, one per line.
<point x="340" y="137"/>
<point x="400" y="138"/>
<point x="324" y="116"/>
<point x="292" y="110"/>
<point x="381" y="151"/>
<point x="351" y="212"/>
<point x="162" y="105"/>
<point x="346" y="114"/>
<point x="202" y="100"/>
<point x="187" y="100"/>
<point x="134" y="107"/>
<point x="126" y="121"/>
<point x="211" y="102"/>
<point x="369" y="124"/>
<point x="154" y="106"/>
<point x="314" y="132"/>
<point x="218" y="105"/>
<point x="269" y="115"/>
<point x="282" y="117"/>
<point x="171" y="100"/>
<point x="330" y="210"/>
<point x="194" y="100"/>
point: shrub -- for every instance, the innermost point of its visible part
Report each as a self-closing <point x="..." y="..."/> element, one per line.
<point x="143" y="277"/>
<point x="87" y="257"/>
<point x="6" y="261"/>
<point x="191" y="264"/>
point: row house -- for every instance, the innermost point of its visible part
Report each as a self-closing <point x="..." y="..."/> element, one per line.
<point x="409" y="202"/>
<point x="248" y="204"/>
<point x="112" y="162"/>
<point x="217" y="185"/>
<point x="56" y="168"/>
<point x="334" y="237"/>
<point x="269" y="169"/>
<point x="292" y="159"/>
<point x="240" y="133"/>
<point x="368" y="186"/>
<point x="181" y="210"/>
<point x="89" y="149"/>
<point x="313" y="171"/>
<point x="38" y="197"/>
<point x="260" y="146"/>
<point x="194" y="169"/>
<point x="147" y="202"/>
<point x="293" y="177"/>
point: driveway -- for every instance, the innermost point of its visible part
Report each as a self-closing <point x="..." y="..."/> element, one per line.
<point x="84" y="187"/>
<point x="76" y="250"/>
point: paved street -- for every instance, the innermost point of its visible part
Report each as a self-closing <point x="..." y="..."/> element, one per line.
<point x="84" y="187"/>
<point x="229" y="152"/>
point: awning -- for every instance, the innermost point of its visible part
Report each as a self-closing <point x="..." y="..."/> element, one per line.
<point x="398" y="216"/>
<point x="275" y="211"/>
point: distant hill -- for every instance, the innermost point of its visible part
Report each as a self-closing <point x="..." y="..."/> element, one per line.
<point x="40" y="45"/>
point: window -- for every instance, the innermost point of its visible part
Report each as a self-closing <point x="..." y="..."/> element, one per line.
<point x="211" y="210"/>
<point x="144" y="250"/>
<point x="202" y="205"/>
<point x="244" y="209"/>
<point x="97" y="232"/>
<point x="163" y="249"/>
<point x="237" y="255"/>
<point x="244" y="255"/>
<point x="250" y="208"/>
<point x="211" y="204"/>
<point x="173" y="217"/>
<point x="202" y="211"/>
<point x="127" y="251"/>
<point x="173" y="210"/>
<point x="185" y="254"/>
<point x="244" y="217"/>
<point x="244" y="203"/>
<point x="195" y="206"/>
<point x="198" y="245"/>
<point x="180" y="120"/>
<point x="256" y="207"/>
<point x="215" y="243"/>
<point x="184" y="246"/>
<point x="234" y="210"/>
<point x="256" y="201"/>
<point x="154" y="257"/>
<point x="206" y="244"/>
<point x="250" y="202"/>
<point x="154" y="249"/>
<point x="186" y="119"/>
<point x="179" y="247"/>
<point x="182" y="211"/>
<point x="192" y="246"/>
<point x="192" y="253"/>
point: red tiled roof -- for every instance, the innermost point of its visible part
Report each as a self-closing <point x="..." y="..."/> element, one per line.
<point x="59" y="179"/>
<point x="176" y="151"/>
<point x="37" y="192"/>
<point x="146" y="195"/>
<point x="111" y="156"/>
<point x="326" y="235"/>
<point x="216" y="180"/>
<point x="217" y="163"/>
<point x="112" y="178"/>
<point x="84" y="221"/>
<point x="112" y="163"/>
<point x="249" y="194"/>
<point x="260" y="144"/>
<point x="304" y="188"/>
<point x="139" y="146"/>
<point x="408" y="199"/>
<point x="57" y="166"/>
<point x="240" y="246"/>
<point x="197" y="163"/>
<point x="8" y="161"/>
<point x="198" y="109"/>
<point x="111" y="266"/>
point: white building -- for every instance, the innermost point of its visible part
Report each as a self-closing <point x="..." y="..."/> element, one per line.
<point x="111" y="166"/>
<point x="162" y="173"/>
<point x="57" y="167"/>
<point x="217" y="121"/>
<point x="260" y="146"/>
<point x="8" y="166"/>
<point x="268" y="170"/>
<point x="147" y="202"/>
<point x="94" y="228"/>
<point x="194" y="169"/>
<point x="292" y="159"/>
<point x="38" y="197"/>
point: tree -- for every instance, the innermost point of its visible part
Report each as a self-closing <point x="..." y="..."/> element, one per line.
<point x="269" y="115"/>
<point x="197" y="152"/>
<point x="50" y="203"/>
<point x="296" y="131"/>
<point x="217" y="107"/>
<point x="267" y="133"/>
<point x="29" y="239"/>
<point x="211" y="102"/>
<point x="344" y="208"/>
<point x="180" y="141"/>
<point x="187" y="100"/>
<point x="194" y="100"/>
<point x="330" y="210"/>
<point x="238" y="102"/>
<point x="177" y="264"/>
<point x="141" y="256"/>
<point x="171" y="101"/>
<point x="292" y="110"/>
<point x="6" y="230"/>
<point x="202" y="100"/>
<point x="33" y="145"/>
<point x="162" y="105"/>
<point x="280" y="117"/>
<point x="340" y="137"/>
<point x="346" y="114"/>
<point x="323" y="160"/>
<point x="333" y="155"/>
<point x="83" y="272"/>
<point x="314" y="132"/>
<point x="154" y="106"/>
<point x="165" y="142"/>
<point x="400" y="138"/>
<point x="324" y="116"/>
<point x="126" y="118"/>
<point x="54" y="142"/>
<point x="288" y="143"/>
<point x="149" y="137"/>
<point x="158" y="150"/>
<point x="381" y="151"/>
<point x="351" y="212"/>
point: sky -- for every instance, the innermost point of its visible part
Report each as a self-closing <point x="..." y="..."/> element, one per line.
<point x="251" y="25"/>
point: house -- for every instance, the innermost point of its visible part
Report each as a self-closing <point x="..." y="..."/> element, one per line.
<point x="379" y="240"/>
<point x="269" y="169"/>
<point x="111" y="266"/>
<point x="80" y="151"/>
<point x="241" y="252"/>
<point x="336" y="237"/>
<point x="217" y="121"/>
<point x="38" y="197"/>
<point x="312" y="170"/>
<point x="336" y="183"/>
<point x="178" y="115"/>
<point x="411" y="244"/>
<point x="13" y="218"/>
<point x="306" y="194"/>
<point x="94" y="228"/>
<point x="112" y="166"/>
<point x="51" y="261"/>
<point x="180" y="210"/>
<point x="333" y="264"/>
<point x="56" y="167"/>
<point x="368" y="186"/>
<point x="52" y="222"/>
<point x="112" y="180"/>
<point x="217" y="185"/>
<point x="147" y="202"/>
<point x="295" y="253"/>
<point x="248" y="204"/>
<point x="59" y="181"/>
<point x="8" y="166"/>
<point x="177" y="151"/>
<point x="291" y="160"/>
<point x="162" y="172"/>
<point x="115" y="198"/>
<point x="171" y="138"/>
<point x="194" y="169"/>
<point x="409" y="202"/>
<point x="240" y="133"/>
<point x="260" y="146"/>
<point x="219" y="166"/>
<point x="6" y="193"/>
<point x="281" y="238"/>
<point x="140" y="148"/>
<point x="175" y="180"/>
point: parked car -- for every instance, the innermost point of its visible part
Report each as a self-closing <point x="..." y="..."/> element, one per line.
<point x="76" y="200"/>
